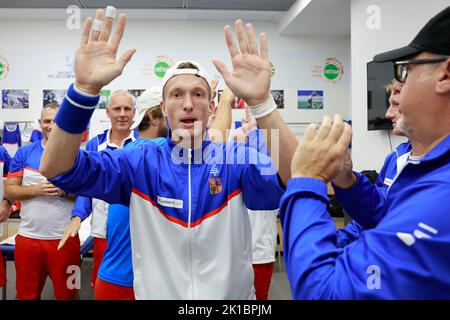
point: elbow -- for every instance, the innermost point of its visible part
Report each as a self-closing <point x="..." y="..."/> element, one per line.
<point x="46" y="171"/>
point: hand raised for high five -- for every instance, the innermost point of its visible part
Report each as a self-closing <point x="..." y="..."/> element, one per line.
<point x="95" y="59"/>
<point x="250" y="77"/>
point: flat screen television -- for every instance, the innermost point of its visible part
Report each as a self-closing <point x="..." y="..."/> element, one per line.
<point x="378" y="76"/>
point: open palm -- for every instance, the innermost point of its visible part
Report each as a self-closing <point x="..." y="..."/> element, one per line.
<point x="95" y="59"/>
<point x="250" y="77"/>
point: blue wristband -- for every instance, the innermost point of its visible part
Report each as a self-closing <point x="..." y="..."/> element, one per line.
<point x="75" y="111"/>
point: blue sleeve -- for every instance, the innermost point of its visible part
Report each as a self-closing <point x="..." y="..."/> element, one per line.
<point x="82" y="207"/>
<point x="261" y="188"/>
<point x="17" y="164"/>
<point x="365" y="201"/>
<point x="348" y="234"/>
<point x="393" y="261"/>
<point x="107" y="176"/>
<point x="4" y="156"/>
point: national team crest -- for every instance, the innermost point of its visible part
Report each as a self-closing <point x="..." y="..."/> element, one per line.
<point x="215" y="185"/>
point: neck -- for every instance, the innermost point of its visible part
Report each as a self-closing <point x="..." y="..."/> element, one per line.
<point x="421" y="147"/>
<point x="150" y="133"/>
<point x="117" y="136"/>
<point x="44" y="141"/>
<point x="193" y="143"/>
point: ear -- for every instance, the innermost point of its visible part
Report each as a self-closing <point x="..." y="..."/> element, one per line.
<point x="212" y="107"/>
<point x="162" y="105"/>
<point x="443" y="81"/>
<point x="107" y="112"/>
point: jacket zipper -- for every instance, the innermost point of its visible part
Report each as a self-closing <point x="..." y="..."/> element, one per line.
<point x="189" y="223"/>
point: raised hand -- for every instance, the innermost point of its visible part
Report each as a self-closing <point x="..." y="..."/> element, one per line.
<point x="321" y="154"/>
<point x="95" y="59"/>
<point x="250" y="77"/>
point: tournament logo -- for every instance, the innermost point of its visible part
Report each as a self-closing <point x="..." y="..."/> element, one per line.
<point x="333" y="70"/>
<point x="161" y="65"/>
<point x="215" y="185"/>
<point x="4" y="67"/>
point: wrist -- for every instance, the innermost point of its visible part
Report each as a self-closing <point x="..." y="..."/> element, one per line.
<point x="87" y="89"/>
<point x="263" y="108"/>
<point x="347" y="182"/>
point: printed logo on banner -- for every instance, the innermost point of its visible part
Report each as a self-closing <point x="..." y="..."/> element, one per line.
<point x="159" y="68"/>
<point x="67" y="73"/>
<point x="4" y="67"/>
<point x="332" y="70"/>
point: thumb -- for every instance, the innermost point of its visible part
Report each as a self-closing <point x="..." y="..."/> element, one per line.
<point x="126" y="57"/>
<point x="222" y="68"/>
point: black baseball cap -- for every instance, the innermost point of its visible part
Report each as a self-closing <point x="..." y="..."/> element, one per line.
<point x="434" y="37"/>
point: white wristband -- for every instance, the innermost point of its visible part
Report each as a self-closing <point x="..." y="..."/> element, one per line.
<point x="264" y="108"/>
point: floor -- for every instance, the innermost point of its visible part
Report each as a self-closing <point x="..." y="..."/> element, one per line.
<point x="279" y="289"/>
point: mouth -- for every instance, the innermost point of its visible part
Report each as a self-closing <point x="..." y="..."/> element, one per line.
<point x="188" y="122"/>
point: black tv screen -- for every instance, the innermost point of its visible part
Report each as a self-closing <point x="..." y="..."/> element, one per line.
<point x="378" y="76"/>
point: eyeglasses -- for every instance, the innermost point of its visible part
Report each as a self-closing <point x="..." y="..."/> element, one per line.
<point x="401" y="70"/>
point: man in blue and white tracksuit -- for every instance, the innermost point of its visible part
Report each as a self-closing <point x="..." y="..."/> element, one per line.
<point x="190" y="234"/>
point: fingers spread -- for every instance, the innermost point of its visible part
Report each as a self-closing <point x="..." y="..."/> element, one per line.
<point x="251" y="39"/>
<point x="117" y="37"/>
<point x="222" y="68"/>
<point x="86" y="30"/>
<point x="126" y="57"/>
<point x="264" y="45"/>
<point x="97" y="25"/>
<point x="243" y="44"/>
<point x="229" y="40"/>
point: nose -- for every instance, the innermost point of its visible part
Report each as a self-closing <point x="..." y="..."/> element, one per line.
<point x="188" y="103"/>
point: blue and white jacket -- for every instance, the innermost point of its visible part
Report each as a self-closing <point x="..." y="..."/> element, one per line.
<point x="190" y="234"/>
<point x="404" y="251"/>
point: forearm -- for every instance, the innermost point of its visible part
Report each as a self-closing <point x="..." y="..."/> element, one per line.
<point x="15" y="192"/>
<point x="60" y="152"/>
<point x="222" y="121"/>
<point x="278" y="133"/>
<point x="309" y="239"/>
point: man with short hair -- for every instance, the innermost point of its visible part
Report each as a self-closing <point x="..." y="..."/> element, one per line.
<point x="189" y="237"/>
<point x="5" y="204"/>
<point x="44" y="214"/>
<point x="403" y="252"/>
<point x="120" y="111"/>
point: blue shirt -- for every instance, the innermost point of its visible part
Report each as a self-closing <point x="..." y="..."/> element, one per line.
<point x="404" y="251"/>
<point x="116" y="266"/>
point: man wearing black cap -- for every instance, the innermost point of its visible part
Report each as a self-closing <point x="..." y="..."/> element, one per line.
<point x="403" y="252"/>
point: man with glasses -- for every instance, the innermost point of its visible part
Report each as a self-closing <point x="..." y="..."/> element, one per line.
<point x="404" y="251"/>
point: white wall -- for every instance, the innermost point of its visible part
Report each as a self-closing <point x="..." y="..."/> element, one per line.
<point x="37" y="48"/>
<point x="401" y="20"/>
